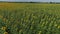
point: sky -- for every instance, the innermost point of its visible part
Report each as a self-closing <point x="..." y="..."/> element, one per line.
<point x="33" y="0"/>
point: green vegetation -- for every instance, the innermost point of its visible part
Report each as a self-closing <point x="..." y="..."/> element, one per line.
<point x="29" y="18"/>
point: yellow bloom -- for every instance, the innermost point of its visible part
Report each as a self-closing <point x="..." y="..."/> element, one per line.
<point x="55" y="25"/>
<point x="43" y="24"/>
<point x="3" y="28"/>
<point x="1" y="16"/>
<point x="39" y="32"/>
<point x="33" y="22"/>
<point x="5" y="32"/>
<point x="20" y="31"/>
<point x="58" y="26"/>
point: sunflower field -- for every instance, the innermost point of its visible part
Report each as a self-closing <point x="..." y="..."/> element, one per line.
<point x="29" y="18"/>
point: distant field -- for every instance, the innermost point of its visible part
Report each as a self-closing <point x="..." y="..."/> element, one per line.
<point x="29" y="18"/>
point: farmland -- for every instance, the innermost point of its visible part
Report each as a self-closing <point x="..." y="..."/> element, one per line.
<point x="29" y="18"/>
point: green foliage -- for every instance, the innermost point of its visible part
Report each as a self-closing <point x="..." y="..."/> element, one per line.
<point x="31" y="19"/>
